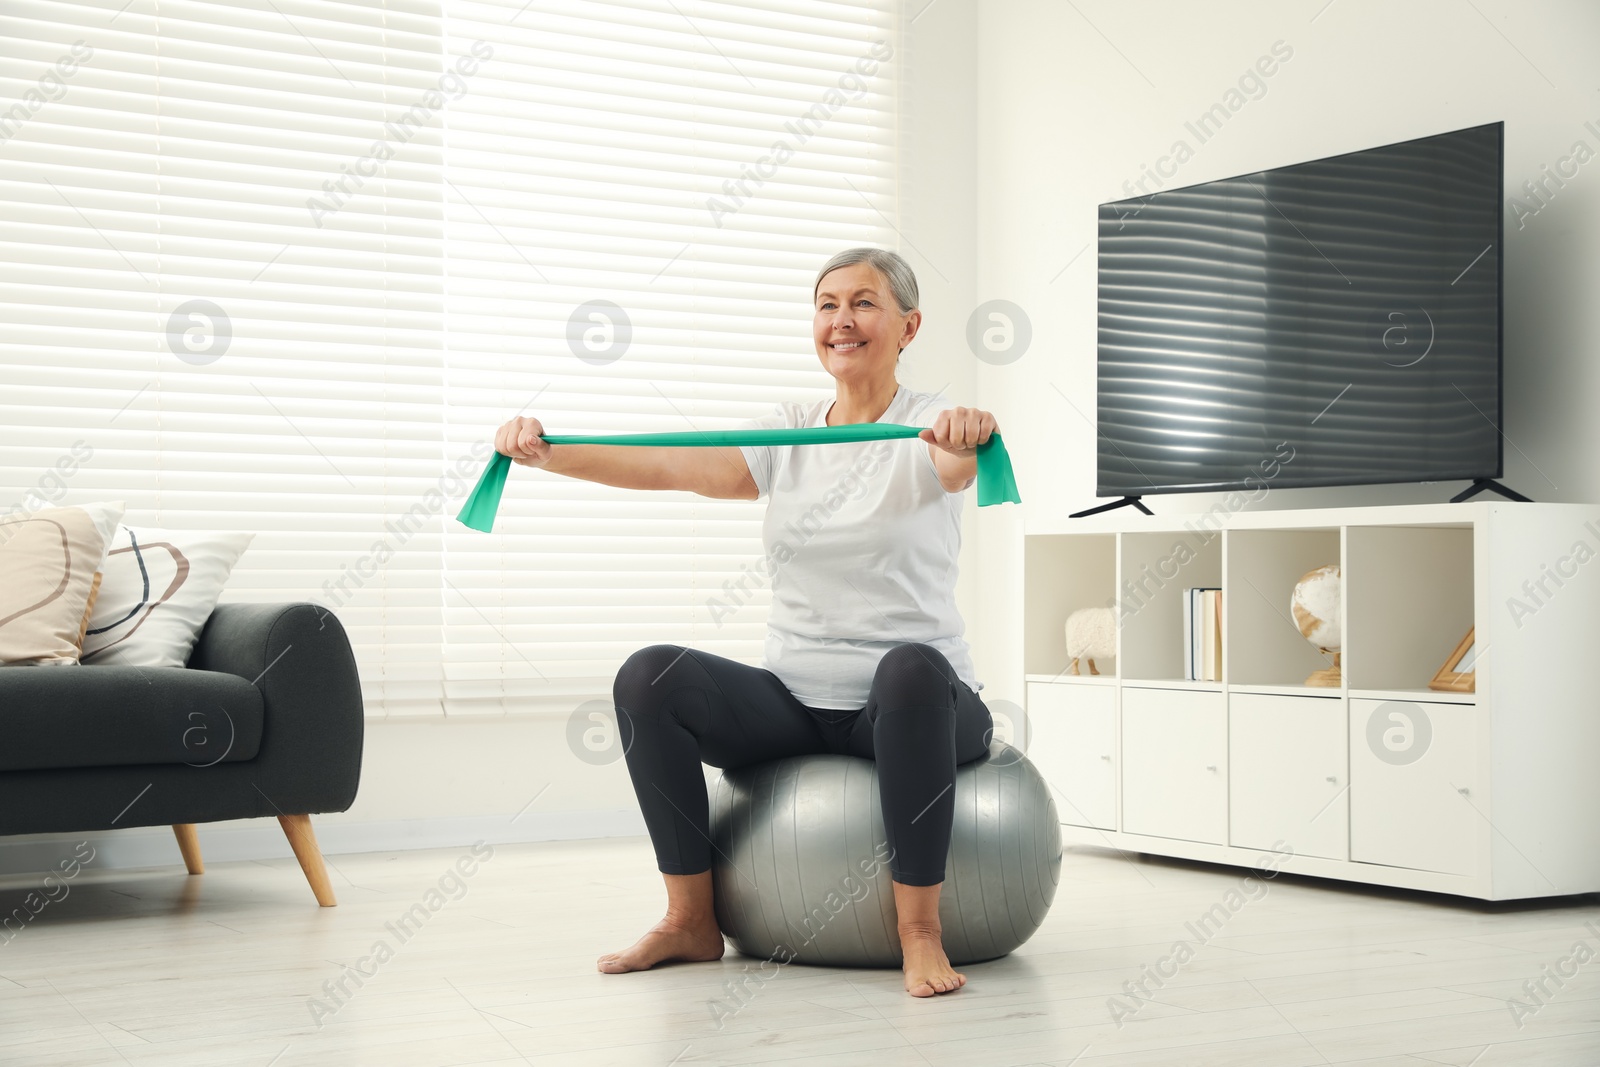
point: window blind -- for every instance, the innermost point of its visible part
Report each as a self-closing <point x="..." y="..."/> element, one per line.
<point x="285" y="269"/>
<point x="232" y="360"/>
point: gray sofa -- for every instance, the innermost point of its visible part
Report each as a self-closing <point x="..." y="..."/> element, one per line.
<point x="265" y="720"/>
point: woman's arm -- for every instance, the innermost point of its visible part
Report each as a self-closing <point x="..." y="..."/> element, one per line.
<point x="714" y="472"/>
<point x="955" y="474"/>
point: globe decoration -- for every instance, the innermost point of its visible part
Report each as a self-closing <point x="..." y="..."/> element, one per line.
<point x="1315" y="607"/>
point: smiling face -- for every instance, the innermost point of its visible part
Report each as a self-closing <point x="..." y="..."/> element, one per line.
<point x="858" y="328"/>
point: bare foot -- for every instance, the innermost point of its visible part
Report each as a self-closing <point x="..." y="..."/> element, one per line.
<point x="927" y="968"/>
<point x="668" y="940"/>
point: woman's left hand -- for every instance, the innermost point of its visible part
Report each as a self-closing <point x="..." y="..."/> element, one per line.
<point x="959" y="431"/>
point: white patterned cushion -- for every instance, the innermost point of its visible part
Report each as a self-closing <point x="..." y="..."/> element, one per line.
<point x="157" y="593"/>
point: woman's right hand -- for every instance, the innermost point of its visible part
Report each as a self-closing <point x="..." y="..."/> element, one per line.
<point x="521" y="440"/>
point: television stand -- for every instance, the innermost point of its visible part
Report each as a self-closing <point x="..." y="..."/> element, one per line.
<point x="1480" y="484"/>
<point x="1488" y="792"/>
<point x="1124" y="502"/>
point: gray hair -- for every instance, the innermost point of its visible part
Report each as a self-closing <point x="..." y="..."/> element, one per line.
<point x="902" y="282"/>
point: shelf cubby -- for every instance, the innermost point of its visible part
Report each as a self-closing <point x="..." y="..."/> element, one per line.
<point x="1408" y="602"/>
<point x="1262" y="645"/>
<point x="1156" y="569"/>
<point x="1065" y="572"/>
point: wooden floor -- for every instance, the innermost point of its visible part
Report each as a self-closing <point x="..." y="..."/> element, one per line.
<point x="156" y="967"/>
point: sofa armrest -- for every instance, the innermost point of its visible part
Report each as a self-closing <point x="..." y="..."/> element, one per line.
<point x="299" y="657"/>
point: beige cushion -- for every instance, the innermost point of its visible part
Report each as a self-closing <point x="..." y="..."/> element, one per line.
<point x="48" y="562"/>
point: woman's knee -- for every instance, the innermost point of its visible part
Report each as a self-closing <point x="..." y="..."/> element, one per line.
<point x="915" y="675"/>
<point x="641" y="683"/>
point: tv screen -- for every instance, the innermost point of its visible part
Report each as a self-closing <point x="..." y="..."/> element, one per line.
<point x="1334" y="323"/>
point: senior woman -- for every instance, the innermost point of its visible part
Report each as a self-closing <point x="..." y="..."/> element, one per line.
<point x="864" y="651"/>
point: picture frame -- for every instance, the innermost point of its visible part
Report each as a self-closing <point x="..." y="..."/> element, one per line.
<point x="1450" y="677"/>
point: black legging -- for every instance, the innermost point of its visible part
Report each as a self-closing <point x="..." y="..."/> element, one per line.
<point x="678" y="708"/>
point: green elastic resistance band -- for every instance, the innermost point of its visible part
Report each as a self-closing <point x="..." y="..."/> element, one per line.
<point x="996" y="483"/>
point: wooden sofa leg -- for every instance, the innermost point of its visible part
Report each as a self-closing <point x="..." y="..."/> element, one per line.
<point x="304" y="842"/>
<point x="189" y="845"/>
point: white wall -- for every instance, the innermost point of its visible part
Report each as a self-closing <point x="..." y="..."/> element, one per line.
<point x="1020" y="117"/>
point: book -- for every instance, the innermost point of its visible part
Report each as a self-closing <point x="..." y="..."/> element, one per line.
<point x="1202" y="633"/>
<point x="1188" y="633"/>
<point x="1216" y="631"/>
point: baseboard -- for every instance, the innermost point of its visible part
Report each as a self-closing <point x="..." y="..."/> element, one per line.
<point x="260" y="839"/>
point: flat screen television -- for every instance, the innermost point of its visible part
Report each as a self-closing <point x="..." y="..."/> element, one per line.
<point x="1335" y="322"/>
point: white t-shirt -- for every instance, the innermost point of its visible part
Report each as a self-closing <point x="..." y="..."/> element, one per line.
<point x="861" y="545"/>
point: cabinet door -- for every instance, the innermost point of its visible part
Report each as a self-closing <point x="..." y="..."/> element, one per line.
<point x="1073" y="744"/>
<point x="1286" y="773"/>
<point x="1413" y="796"/>
<point x="1175" y="764"/>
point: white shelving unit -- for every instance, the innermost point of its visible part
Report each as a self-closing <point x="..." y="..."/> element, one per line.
<point x="1492" y="794"/>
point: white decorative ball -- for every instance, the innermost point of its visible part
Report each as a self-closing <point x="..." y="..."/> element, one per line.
<point x="1315" y="606"/>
